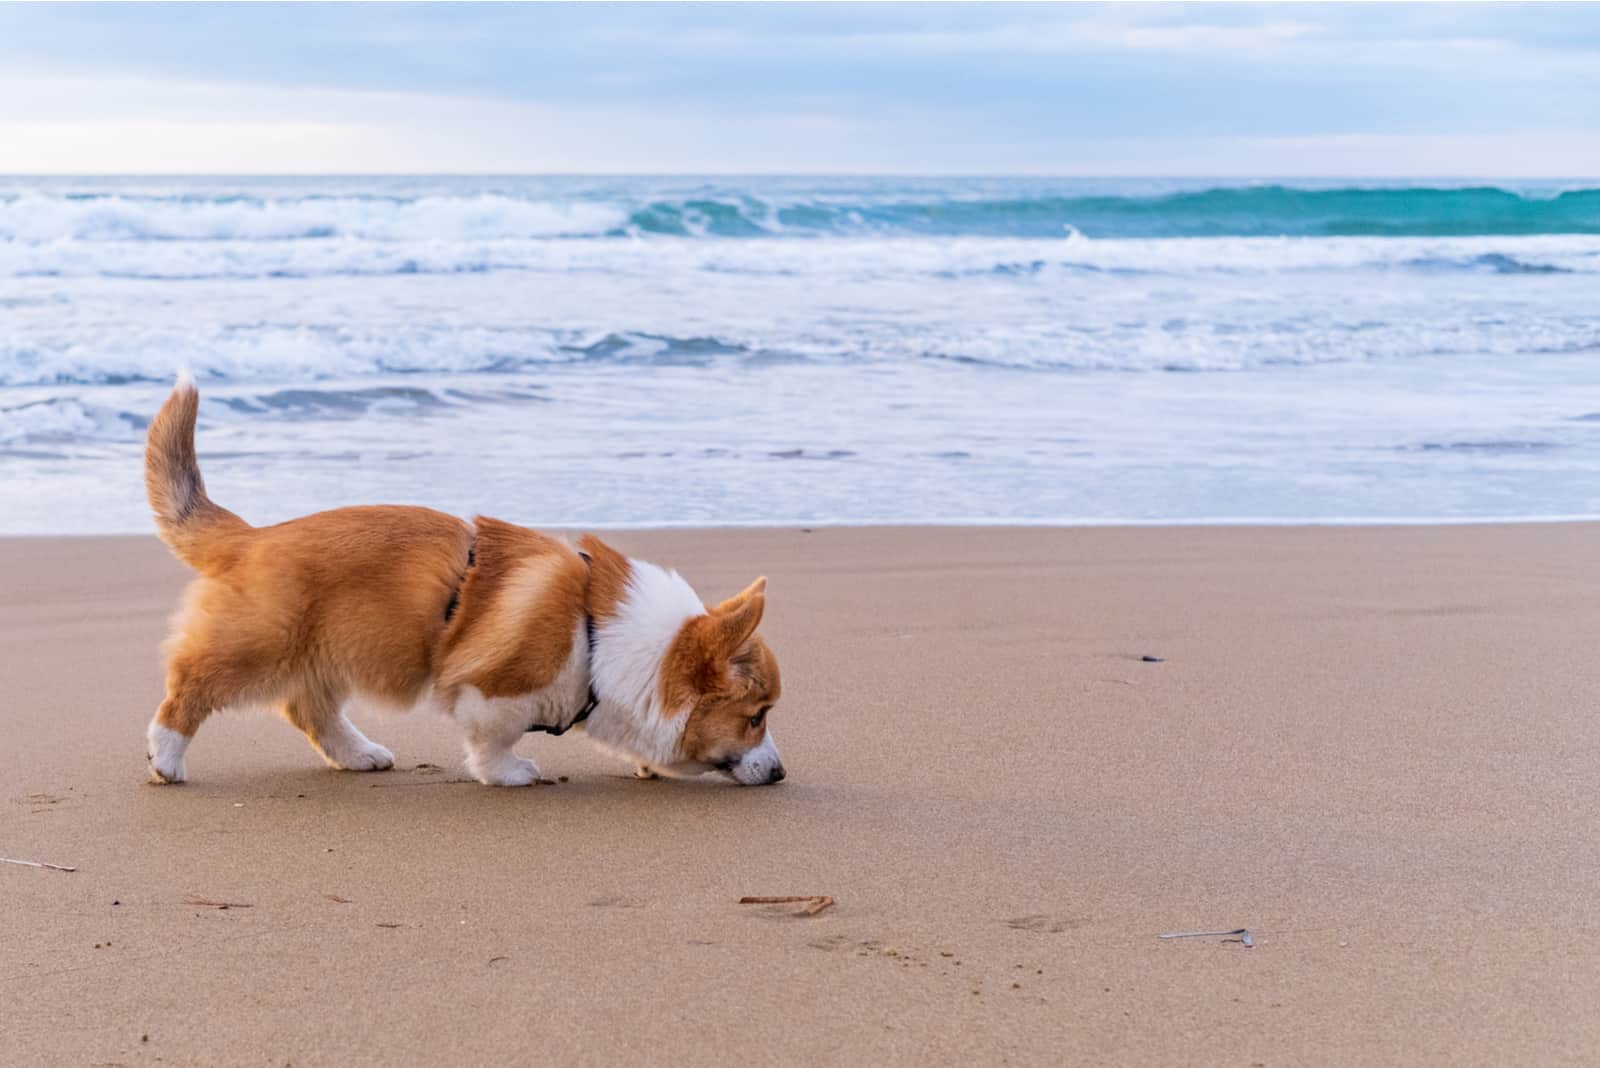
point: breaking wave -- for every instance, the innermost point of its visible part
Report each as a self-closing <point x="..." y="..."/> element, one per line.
<point x="34" y="216"/>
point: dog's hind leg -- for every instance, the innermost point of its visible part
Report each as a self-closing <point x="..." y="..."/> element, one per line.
<point x="197" y="685"/>
<point x="171" y="731"/>
<point x="320" y="718"/>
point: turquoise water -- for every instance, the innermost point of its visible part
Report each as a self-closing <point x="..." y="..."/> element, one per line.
<point x="1258" y="211"/>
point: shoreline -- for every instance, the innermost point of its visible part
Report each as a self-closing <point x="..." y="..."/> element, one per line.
<point x="1230" y="523"/>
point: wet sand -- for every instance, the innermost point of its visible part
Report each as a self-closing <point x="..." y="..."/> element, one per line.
<point x="1377" y="749"/>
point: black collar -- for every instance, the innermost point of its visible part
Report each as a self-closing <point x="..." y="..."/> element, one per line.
<point x="455" y="593"/>
<point x="594" y="698"/>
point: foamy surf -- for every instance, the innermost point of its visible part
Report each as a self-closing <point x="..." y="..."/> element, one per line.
<point x="457" y="209"/>
<point x="640" y="351"/>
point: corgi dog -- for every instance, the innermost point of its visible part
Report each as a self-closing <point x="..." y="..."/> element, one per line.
<point x="502" y="628"/>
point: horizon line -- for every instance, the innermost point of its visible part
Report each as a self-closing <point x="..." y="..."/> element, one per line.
<point x="975" y="175"/>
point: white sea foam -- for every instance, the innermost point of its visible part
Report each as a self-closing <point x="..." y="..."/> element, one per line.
<point x="1197" y="305"/>
<point x="37" y="218"/>
<point x="357" y="252"/>
<point x="548" y="356"/>
<point x="58" y="420"/>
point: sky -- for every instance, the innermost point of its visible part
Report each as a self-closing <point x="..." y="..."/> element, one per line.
<point x="1508" y="90"/>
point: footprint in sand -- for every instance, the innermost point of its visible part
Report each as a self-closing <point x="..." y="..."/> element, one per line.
<point x="869" y="947"/>
<point x="1042" y="924"/>
<point x="40" y="802"/>
<point x="832" y="943"/>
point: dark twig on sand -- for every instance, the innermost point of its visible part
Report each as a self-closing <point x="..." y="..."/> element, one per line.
<point x="209" y="904"/>
<point x="433" y="782"/>
<point x="36" y="864"/>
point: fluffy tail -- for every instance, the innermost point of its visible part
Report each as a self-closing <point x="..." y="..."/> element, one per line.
<point x="192" y="524"/>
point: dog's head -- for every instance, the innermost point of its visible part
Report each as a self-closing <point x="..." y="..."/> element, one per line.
<point x="723" y="673"/>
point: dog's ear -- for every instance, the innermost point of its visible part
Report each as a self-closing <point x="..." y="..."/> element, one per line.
<point x="700" y="659"/>
<point x="758" y="588"/>
<point x="738" y="617"/>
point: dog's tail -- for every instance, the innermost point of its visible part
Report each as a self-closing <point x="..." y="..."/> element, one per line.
<point x="193" y="525"/>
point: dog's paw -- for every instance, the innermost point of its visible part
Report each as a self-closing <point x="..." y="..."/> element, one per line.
<point x="346" y="748"/>
<point x="370" y="756"/>
<point x="509" y="771"/>
<point x="168" y="773"/>
<point x="165" y="754"/>
<point x="645" y="771"/>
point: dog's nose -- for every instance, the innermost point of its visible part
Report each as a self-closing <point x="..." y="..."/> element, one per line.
<point x="776" y="776"/>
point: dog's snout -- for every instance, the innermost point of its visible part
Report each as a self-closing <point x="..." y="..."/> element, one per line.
<point x="776" y="775"/>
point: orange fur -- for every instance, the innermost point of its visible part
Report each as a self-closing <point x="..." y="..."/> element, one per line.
<point x="608" y="578"/>
<point x="520" y="607"/>
<point x="191" y="523"/>
<point x="306" y="613"/>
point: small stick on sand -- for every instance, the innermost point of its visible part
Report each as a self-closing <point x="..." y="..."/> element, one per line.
<point x="36" y="864"/>
<point x="432" y="782"/>
<point x="204" y="903"/>
<point x="814" y="903"/>
<point x="1244" y="934"/>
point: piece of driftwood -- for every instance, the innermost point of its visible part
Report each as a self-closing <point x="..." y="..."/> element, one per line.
<point x="814" y="903"/>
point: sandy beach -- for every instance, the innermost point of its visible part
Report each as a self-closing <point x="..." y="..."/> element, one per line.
<point x="1375" y="748"/>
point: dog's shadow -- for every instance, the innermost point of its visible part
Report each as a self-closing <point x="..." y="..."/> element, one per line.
<point x="433" y="782"/>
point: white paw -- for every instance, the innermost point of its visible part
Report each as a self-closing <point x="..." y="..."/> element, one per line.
<point x="165" y="752"/>
<point x="346" y="748"/>
<point x="509" y="770"/>
<point x="166" y="773"/>
<point x="369" y="756"/>
<point x="645" y="771"/>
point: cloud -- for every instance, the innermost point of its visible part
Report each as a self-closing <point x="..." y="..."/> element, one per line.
<point x="1070" y="37"/>
<point x="1002" y="88"/>
<point x="228" y="129"/>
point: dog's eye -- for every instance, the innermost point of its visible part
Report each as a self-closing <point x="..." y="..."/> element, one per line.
<point x="759" y="718"/>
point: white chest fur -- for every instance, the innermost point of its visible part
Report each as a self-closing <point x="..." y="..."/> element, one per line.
<point x="626" y="666"/>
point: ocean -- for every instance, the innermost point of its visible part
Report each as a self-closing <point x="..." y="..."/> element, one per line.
<point x="654" y="351"/>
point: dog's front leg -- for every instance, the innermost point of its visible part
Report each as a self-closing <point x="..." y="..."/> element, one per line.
<point x="493" y="728"/>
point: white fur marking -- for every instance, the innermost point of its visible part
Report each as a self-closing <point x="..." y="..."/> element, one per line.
<point x="493" y="726"/>
<point x="167" y="747"/>
<point x="343" y="746"/>
<point x="628" y="652"/>
<point x="505" y="768"/>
